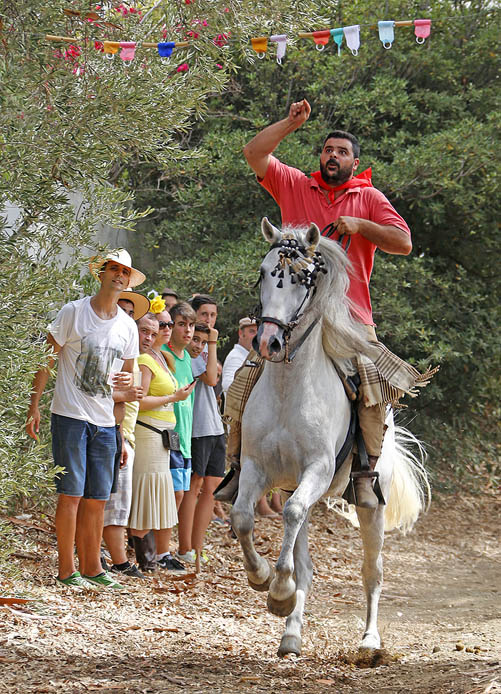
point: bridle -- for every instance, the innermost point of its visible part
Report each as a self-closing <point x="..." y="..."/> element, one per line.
<point x="298" y="259"/>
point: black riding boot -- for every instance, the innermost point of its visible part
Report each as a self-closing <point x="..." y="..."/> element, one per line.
<point x="228" y="488"/>
<point x="363" y="485"/>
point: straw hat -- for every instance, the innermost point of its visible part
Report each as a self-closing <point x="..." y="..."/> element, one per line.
<point x="141" y="303"/>
<point x="122" y="257"/>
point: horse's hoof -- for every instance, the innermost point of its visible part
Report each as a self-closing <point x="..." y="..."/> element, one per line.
<point x="289" y="644"/>
<point x="281" y="608"/>
<point x="262" y="587"/>
<point x="370" y="642"/>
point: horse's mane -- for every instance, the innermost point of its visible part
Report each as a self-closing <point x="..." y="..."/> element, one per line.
<point x="342" y="336"/>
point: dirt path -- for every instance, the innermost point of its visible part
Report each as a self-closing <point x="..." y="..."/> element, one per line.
<point x="213" y="634"/>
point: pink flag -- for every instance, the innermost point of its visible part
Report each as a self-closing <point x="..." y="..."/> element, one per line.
<point x="422" y="29"/>
<point x="128" y="50"/>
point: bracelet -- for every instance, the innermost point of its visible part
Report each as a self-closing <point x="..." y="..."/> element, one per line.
<point x="212" y="342"/>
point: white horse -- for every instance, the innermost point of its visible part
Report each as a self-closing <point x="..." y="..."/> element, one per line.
<point x="296" y="421"/>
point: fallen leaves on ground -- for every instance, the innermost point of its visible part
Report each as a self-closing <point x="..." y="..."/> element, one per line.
<point x="211" y="633"/>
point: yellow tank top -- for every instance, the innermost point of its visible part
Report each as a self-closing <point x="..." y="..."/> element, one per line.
<point x="162" y="383"/>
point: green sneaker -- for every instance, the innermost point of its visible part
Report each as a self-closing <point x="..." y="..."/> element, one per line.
<point x="76" y="580"/>
<point x="105" y="580"/>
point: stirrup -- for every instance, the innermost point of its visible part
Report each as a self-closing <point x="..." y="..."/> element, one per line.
<point x="227" y="489"/>
<point x="370" y="474"/>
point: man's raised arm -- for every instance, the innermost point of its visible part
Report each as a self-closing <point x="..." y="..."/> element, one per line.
<point x="258" y="150"/>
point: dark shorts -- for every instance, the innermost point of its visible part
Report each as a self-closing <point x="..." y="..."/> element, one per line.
<point x="87" y="454"/>
<point x="208" y="455"/>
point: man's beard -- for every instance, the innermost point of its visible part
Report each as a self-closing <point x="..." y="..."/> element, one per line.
<point x="338" y="177"/>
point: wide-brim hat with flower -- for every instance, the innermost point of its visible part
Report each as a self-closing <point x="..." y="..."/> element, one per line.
<point x="140" y="302"/>
<point x="122" y="257"/>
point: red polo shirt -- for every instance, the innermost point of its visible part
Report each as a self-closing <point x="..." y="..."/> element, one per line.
<point x="301" y="202"/>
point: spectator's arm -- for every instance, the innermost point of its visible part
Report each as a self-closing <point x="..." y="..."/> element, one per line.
<point x="209" y="377"/>
<point x="39" y="383"/>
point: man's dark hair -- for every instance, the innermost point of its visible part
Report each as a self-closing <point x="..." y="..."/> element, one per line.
<point x="343" y="135"/>
<point x="200" y="300"/>
<point x="202" y="328"/>
<point x="182" y="308"/>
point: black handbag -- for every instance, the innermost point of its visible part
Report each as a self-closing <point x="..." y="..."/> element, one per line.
<point x="170" y="438"/>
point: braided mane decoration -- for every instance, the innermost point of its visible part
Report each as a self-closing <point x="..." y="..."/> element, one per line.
<point x="293" y="254"/>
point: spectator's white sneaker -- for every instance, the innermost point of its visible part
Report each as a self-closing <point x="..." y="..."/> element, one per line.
<point x="190" y="557"/>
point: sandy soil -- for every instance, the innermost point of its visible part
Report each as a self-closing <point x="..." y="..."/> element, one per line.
<point x="211" y="633"/>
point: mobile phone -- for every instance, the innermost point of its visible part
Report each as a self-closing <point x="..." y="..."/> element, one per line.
<point x="194" y="380"/>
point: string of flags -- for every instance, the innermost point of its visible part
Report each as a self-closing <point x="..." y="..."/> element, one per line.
<point x="126" y="50"/>
<point x="351" y="34"/>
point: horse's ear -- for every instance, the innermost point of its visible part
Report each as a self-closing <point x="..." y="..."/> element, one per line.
<point x="312" y="236"/>
<point x="270" y="233"/>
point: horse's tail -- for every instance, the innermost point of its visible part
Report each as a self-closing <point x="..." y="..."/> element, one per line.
<point x="410" y="492"/>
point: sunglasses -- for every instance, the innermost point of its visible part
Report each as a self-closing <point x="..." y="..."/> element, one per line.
<point x="162" y="324"/>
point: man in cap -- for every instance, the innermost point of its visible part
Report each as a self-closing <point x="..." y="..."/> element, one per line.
<point x="247" y="330"/>
<point x="96" y="343"/>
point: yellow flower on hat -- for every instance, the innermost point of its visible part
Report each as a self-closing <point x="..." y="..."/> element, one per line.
<point x="157" y="305"/>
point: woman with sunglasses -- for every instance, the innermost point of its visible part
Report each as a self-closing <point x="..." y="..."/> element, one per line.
<point x="153" y="500"/>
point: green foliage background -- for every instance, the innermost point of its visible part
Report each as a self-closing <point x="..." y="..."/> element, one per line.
<point x="157" y="150"/>
<point x="428" y="118"/>
<point x="72" y="123"/>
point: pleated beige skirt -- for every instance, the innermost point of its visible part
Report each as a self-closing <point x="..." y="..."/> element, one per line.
<point x="153" y="502"/>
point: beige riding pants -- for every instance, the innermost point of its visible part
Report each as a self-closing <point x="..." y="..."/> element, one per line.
<point x="371" y="418"/>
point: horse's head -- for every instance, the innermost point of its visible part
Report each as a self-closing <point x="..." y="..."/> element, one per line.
<point x="288" y="274"/>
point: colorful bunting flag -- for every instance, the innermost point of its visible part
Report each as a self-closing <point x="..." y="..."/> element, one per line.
<point x="352" y="36"/>
<point x="386" y="33"/>
<point x="321" y="38"/>
<point x="110" y="48"/>
<point x="260" y="45"/>
<point x="422" y="29"/>
<point x="337" y="37"/>
<point x="128" y="50"/>
<point x="281" y="41"/>
<point x="165" y="49"/>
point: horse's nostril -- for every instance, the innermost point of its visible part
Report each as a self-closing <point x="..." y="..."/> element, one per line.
<point x="274" y="345"/>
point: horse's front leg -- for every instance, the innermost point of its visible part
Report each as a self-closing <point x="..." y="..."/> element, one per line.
<point x="313" y="484"/>
<point x="291" y="638"/>
<point x="372" y="531"/>
<point x="251" y="487"/>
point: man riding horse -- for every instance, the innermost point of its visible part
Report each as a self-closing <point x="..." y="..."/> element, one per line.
<point x="340" y="203"/>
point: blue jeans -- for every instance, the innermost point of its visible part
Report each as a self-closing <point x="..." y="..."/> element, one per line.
<point x="87" y="454"/>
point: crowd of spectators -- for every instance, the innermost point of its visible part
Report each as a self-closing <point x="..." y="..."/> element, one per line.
<point x="166" y="398"/>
